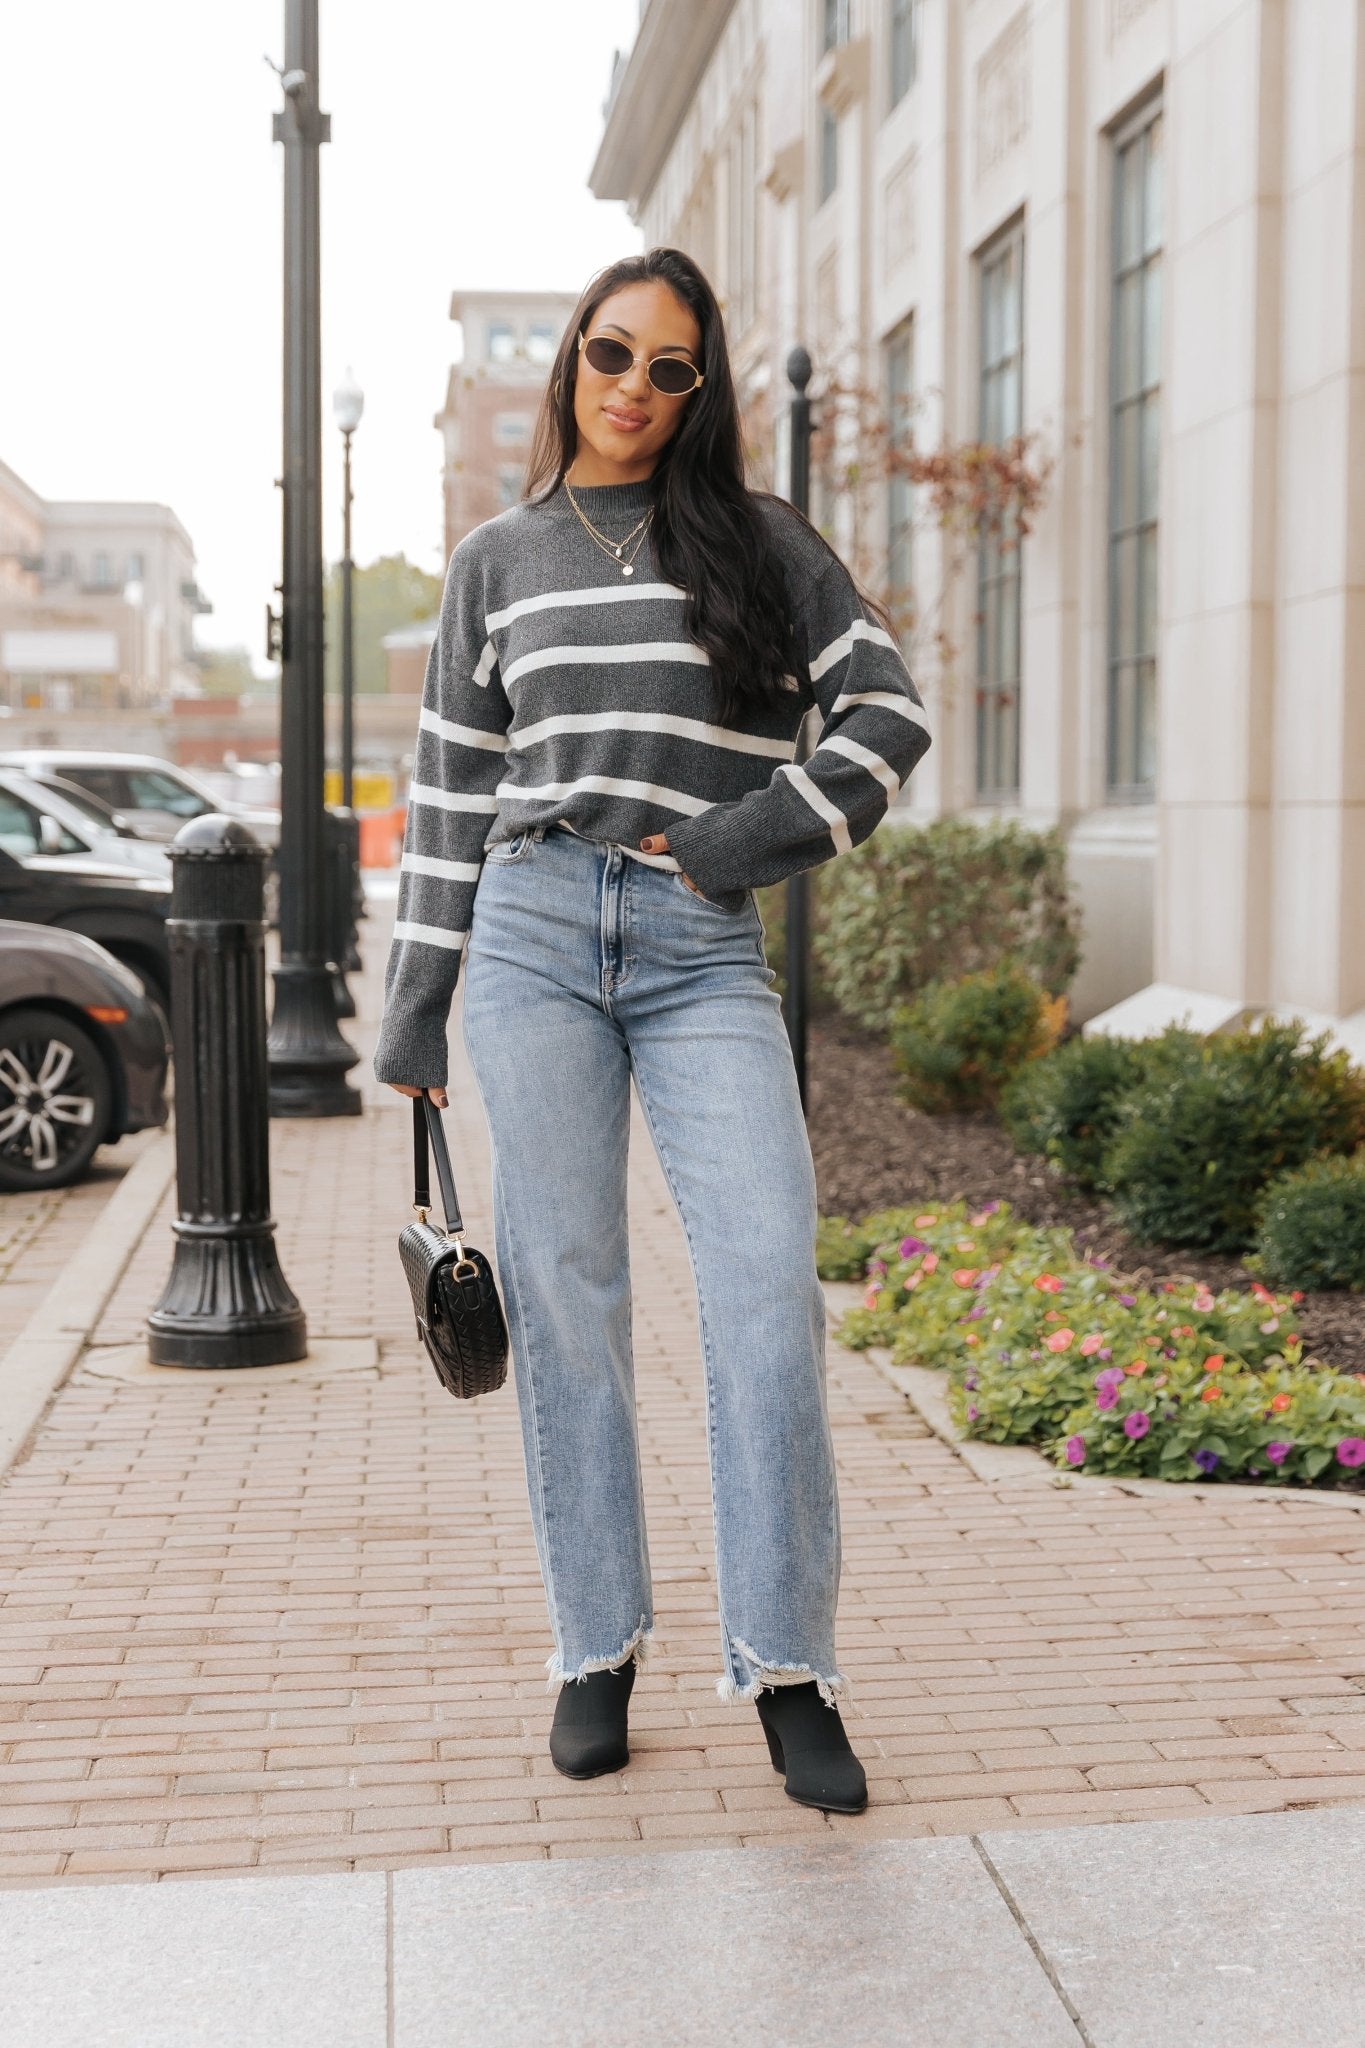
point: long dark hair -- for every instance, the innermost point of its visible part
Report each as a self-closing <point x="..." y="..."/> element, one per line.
<point x="708" y="534"/>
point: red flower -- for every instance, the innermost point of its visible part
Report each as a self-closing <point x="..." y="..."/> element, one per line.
<point x="1280" y="1403"/>
<point x="1215" y="1363"/>
<point x="1211" y="1394"/>
<point x="1048" y="1283"/>
<point x="965" y="1275"/>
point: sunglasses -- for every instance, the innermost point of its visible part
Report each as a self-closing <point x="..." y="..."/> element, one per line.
<point x="669" y="374"/>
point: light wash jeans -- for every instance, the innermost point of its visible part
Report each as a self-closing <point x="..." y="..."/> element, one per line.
<point x="583" y="967"/>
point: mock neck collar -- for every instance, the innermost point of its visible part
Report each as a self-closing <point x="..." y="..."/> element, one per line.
<point x="608" y="502"/>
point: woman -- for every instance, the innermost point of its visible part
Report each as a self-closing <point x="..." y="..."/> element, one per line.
<point x="604" y="774"/>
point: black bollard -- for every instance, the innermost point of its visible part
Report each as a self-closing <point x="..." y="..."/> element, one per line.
<point x="226" y="1303"/>
<point x="352" y="963"/>
<point x="337" y="869"/>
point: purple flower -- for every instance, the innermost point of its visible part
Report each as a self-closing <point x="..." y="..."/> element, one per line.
<point x="1106" y="1351"/>
<point x="1277" y="1453"/>
<point x="973" y="1315"/>
<point x="1136" y="1425"/>
<point x="988" y="1209"/>
<point x="1075" y="1450"/>
<point x="911" y="1245"/>
<point x="1205" y="1460"/>
<point x="1169" y="1414"/>
<point x="1351" y="1451"/>
<point x="1104" y="1263"/>
<point x="973" y="1412"/>
<point x="1128" y="1300"/>
<point x="1112" y="1376"/>
<point x="1107" y="1397"/>
<point x="1007" y="1354"/>
<point x="971" y="1383"/>
<point x="877" y="1266"/>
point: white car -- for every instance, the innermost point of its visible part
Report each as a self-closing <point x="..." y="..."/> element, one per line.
<point x="155" y="797"/>
<point x="38" y="822"/>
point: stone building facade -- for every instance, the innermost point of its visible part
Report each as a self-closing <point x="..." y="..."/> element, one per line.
<point x="97" y="603"/>
<point x="1135" y="228"/>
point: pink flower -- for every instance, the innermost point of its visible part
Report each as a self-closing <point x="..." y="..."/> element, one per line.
<point x="1203" y="1300"/>
<point x="913" y="1282"/>
<point x="1048" y="1283"/>
<point x="1061" y="1340"/>
<point x="925" y="1222"/>
<point x="1136" y="1425"/>
<point x="1112" y="1377"/>
<point x="929" y="1263"/>
<point x="973" y="1412"/>
<point x="1351" y="1451"/>
<point x="1107" y="1397"/>
<point x="911" y="1245"/>
<point x="1091" y="1344"/>
<point x="1269" y="1327"/>
<point x="1075" y="1450"/>
<point x="870" y="1298"/>
<point x="964" y="1276"/>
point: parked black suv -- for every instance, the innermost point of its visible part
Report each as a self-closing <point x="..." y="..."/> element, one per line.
<point x="124" y="911"/>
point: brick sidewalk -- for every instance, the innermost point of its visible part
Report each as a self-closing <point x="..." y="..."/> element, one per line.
<point x="300" y="1626"/>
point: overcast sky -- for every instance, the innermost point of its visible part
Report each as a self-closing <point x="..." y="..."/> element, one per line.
<point x="141" y="252"/>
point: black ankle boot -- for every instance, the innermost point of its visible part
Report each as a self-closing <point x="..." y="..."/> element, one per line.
<point x="588" y="1734"/>
<point x="806" y="1740"/>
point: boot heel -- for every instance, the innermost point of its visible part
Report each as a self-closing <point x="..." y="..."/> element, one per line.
<point x="773" y="1738"/>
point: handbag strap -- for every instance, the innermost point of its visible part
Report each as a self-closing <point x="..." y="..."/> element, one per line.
<point x="428" y="1136"/>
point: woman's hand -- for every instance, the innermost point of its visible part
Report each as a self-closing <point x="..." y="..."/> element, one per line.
<point x="658" y="843"/>
<point x="438" y="1095"/>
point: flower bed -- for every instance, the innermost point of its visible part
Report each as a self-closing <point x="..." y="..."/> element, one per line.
<point x="1049" y="1348"/>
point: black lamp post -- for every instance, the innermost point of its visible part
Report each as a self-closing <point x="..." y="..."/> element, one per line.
<point x="309" y="1058"/>
<point x="798" y="885"/>
<point x="348" y="404"/>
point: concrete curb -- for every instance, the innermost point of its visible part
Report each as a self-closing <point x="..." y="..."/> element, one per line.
<point x="1021" y="1465"/>
<point x="41" y="1356"/>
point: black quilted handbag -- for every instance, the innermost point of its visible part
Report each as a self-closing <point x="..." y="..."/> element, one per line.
<point x="454" y="1295"/>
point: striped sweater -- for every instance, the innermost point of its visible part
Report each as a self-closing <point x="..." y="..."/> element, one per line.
<point x="557" y="688"/>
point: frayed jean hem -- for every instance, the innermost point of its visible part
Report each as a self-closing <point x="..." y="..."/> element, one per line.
<point x="636" y="1647"/>
<point x="770" y="1676"/>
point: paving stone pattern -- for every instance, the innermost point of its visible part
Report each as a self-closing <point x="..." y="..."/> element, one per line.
<point x="300" y="1627"/>
<point x="41" y="1233"/>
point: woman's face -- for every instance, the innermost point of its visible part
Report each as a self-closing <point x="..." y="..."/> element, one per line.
<point x="623" y="419"/>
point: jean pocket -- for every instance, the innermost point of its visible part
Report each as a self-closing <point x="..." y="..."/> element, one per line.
<point x="515" y="848"/>
<point x="694" y="896"/>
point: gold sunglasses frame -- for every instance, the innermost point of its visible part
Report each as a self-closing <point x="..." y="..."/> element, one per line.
<point x="584" y="339"/>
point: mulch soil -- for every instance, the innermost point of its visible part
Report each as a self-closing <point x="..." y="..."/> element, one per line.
<point x="872" y="1151"/>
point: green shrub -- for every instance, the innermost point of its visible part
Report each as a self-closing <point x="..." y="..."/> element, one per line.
<point x="919" y="904"/>
<point x="959" y="1042"/>
<point x="1066" y="1105"/>
<point x="1311" y="1229"/>
<point x="1214" y="1120"/>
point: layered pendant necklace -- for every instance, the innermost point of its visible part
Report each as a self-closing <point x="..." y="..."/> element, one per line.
<point x="622" y="552"/>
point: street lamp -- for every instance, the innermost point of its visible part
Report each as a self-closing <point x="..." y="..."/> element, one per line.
<point x="348" y="403"/>
<point x="798" y="885"/>
<point x="309" y="1058"/>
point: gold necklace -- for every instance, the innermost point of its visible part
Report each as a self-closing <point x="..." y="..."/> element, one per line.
<point x="616" y="549"/>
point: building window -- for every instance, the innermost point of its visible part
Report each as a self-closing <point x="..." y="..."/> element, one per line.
<point x="1000" y="278"/>
<point x="101" y="572"/>
<point x="833" y="24"/>
<point x="899" y="350"/>
<point x="541" y="342"/>
<point x="904" y="53"/>
<point x="511" y="429"/>
<point x="502" y="341"/>
<point x="66" y="566"/>
<point x="509" y="485"/>
<point x="1134" y="447"/>
<point x="829" y="153"/>
<point x="135" y="569"/>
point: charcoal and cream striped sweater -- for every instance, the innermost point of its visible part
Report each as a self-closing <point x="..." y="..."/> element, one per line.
<point x="557" y="688"/>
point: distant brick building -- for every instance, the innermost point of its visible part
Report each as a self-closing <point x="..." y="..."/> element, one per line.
<point x="492" y="398"/>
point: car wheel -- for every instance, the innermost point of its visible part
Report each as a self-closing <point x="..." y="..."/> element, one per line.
<point x="56" y="1096"/>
